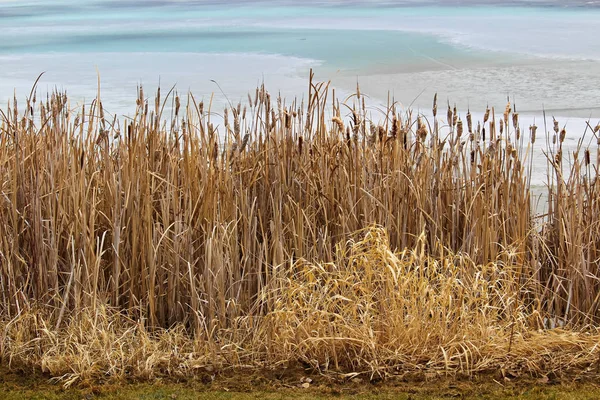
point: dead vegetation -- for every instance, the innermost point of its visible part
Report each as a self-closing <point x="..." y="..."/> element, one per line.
<point x="304" y="232"/>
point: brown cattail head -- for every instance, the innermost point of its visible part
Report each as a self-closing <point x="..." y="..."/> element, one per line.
<point x="563" y="133"/>
<point x="558" y="157"/>
<point x="532" y="130"/>
<point x="421" y="129"/>
<point x="177" y="105"/>
<point x="395" y="127"/>
<point x="300" y="142"/>
<point x="469" y="121"/>
<point x="556" y="128"/>
<point x="507" y="112"/>
<point x="449" y="116"/>
<point x="515" y="121"/>
<point x="501" y="126"/>
<point x="587" y="156"/>
<point x="486" y="116"/>
<point x="455" y="119"/>
<point x="459" y="127"/>
<point x="381" y="132"/>
<point x="597" y="128"/>
<point x="244" y="142"/>
<point x="434" y="105"/>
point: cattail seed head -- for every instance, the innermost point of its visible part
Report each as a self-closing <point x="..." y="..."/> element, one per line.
<point x="563" y="134"/>
<point x="587" y="156"/>
<point x="421" y="129"/>
<point x="434" y="105"/>
<point x="532" y="131"/>
<point x="469" y="121"/>
<point x="395" y="127"/>
<point x="339" y="123"/>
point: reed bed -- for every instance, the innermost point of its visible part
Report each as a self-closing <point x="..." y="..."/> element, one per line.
<point x="306" y="232"/>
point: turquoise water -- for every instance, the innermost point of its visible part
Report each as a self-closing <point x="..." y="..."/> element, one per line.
<point x="544" y="53"/>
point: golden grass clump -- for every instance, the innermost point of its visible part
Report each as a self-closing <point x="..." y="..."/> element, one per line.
<point x="355" y="244"/>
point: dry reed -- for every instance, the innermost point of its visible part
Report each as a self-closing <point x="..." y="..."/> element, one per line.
<point x="143" y="248"/>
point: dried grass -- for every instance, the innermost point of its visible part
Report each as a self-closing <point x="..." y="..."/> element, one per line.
<point x="139" y="248"/>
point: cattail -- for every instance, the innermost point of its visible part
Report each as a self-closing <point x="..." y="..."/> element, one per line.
<point x="507" y="111"/>
<point x="422" y="130"/>
<point x="587" y="156"/>
<point x="515" y="120"/>
<point x="556" y="128"/>
<point x="472" y="156"/>
<point x="101" y="110"/>
<point x="372" y="138"/>
<point x="532" y="130"/>
<point x="449" y="116"/>
<point x="394" y="126"/>
<point x="563" y="133"/>
<point x="236" y="125"/>
<point x="215" y="154"/>
<point x="300" y="142"/>
<point x="501" y="126"/>
<point x="486" y="116"/>
<point x="157" y="99"/>
<point x="597" y="128"/>
<point x="201" y="108"/>
<point x="339" y="123"/>
<point x="459" y="127"/>
<point x="177" y="105"/>
<point x="434" y="105"/>
<point x="455" y="118"/>
<point x="469" y="122"/>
